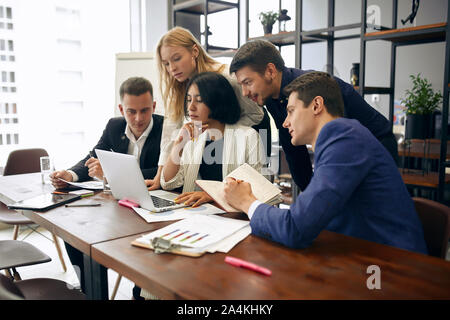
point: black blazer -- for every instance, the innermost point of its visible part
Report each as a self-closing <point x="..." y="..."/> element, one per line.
<point x="114" y="138"/>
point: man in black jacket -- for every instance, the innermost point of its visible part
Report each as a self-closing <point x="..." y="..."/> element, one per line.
<point x="138" y="132"/>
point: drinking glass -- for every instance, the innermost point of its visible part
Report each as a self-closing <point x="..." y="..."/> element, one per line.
<point x="106" y="188"/>
<point x="46" y="169"/>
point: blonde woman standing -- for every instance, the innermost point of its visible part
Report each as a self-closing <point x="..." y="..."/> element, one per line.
<point x="180" y="56"/>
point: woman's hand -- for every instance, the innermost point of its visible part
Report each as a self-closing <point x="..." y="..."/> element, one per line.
<point x="190" y="131"/>
<point x="196" y="197"/>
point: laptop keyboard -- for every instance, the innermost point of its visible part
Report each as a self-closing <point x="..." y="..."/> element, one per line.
<point x="161" y="203"/>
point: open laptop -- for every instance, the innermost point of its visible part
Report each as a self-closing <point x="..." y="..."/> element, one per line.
<point x="126" y="182"/>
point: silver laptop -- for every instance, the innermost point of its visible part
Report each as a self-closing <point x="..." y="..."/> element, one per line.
<point x="126" y="182"/>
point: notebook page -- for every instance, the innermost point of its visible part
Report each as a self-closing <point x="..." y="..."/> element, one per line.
<point x="262" y="188"/>
<point x="215" y="191"/>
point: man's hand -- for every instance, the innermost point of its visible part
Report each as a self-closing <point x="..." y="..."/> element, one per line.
<point x="238" y="194"/>
<point x="195" y="198"/>
<point x="155" y="183"/>
<point x="95" y="169"/>
<point x="63" y="174"/>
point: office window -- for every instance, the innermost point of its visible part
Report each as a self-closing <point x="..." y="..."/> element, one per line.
<point x="66" y="46"/>
<point x="14" y="108"/>
<point x="68" y="18"/>
<point x="71" y="106"/>
<point x="2" y="25"/>
<point x="1" y="12"/>
<point x="6" y="108"/>
<point x="4" y="76"/>
<point x="6" y="120"/>
<point x="8" y="138"/>
<point x="1" y="136"/>
<point x="16" y="138"/>
<point x="78" y="53"/>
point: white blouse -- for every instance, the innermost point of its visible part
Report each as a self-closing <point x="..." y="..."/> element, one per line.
<point x="241" y="145"/>
<point x="251" y="114"/>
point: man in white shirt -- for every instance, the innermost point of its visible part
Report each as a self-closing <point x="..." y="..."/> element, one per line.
<point x="138" y="133"/>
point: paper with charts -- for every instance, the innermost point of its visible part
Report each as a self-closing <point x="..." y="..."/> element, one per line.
<point x="201" y="233"/>
<point x="262" y="188"/>
<point x="177" y="214"/>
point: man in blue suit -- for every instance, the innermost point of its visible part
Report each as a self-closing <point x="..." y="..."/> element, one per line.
<point x="356" y="188"/>
<point x="262" y="74"/>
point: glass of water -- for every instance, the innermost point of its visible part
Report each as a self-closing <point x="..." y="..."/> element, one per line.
<point x="46" y="169"/>
<point x="106" y="188"/>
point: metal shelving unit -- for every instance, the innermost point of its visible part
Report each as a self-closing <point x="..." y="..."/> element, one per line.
<point x="432" y="33"/>
<point x="193" y="9"/>
<point x="439" y="32"/>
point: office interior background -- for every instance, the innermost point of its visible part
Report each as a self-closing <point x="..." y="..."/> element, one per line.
<point x="58" y="59"/>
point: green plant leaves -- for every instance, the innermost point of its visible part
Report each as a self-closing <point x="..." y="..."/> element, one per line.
<point x="421" y="99"/>
<point x="268" y="18"/>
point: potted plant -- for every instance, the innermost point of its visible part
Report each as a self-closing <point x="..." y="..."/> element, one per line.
<point x="420" y="102"/>
<point x="267" y="19"/>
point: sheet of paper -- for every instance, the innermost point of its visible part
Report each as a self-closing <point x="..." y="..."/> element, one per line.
<point x="231" y="241"/>
<point x="177" y="214"/>
<point x="82" y="192"/>
<point x="92" y="185"/>
<point x="16" y="188"/>
<point x="198" y="231"/>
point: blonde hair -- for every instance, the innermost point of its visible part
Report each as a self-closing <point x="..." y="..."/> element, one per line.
<point x="172" y="90"/>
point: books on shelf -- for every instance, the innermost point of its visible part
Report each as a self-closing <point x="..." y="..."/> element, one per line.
<point x="262" y="188"/>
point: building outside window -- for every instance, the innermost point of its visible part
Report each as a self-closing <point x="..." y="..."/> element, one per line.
<point x="66" y="59"/>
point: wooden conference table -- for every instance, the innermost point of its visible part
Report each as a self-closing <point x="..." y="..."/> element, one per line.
<point x="334" y="267"/>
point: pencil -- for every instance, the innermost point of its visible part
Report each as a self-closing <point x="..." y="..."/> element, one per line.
<point x="83" y="205"/>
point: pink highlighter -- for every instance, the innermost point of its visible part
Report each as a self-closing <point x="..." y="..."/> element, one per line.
<point x="127" y="203"/>
<point x="244" y="264"/>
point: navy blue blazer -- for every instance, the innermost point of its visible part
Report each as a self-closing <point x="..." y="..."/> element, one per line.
<point x="114" y="138"/>
<point x="355" y="108"/>
<point x="356" y="190"/>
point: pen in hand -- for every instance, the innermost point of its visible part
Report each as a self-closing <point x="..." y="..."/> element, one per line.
<point x="237" y="180"/>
